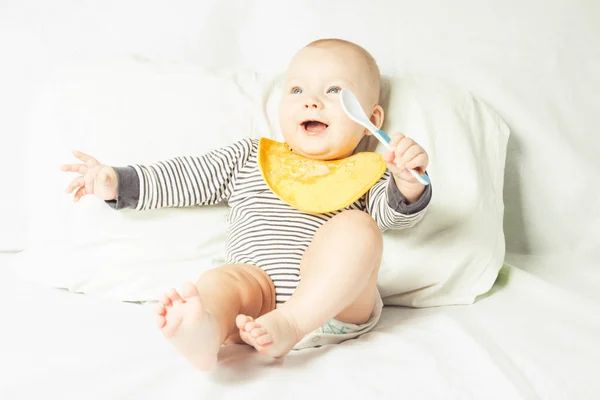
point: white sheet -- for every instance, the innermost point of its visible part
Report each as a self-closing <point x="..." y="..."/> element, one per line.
<point x="527" y="340"/>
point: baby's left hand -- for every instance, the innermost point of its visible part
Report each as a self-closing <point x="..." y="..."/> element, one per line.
<point x="403" y="154"/>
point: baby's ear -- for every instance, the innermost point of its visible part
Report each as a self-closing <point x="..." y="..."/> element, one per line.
<point x="377" y="116"/>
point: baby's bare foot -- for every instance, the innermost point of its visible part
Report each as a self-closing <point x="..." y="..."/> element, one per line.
<point x="274" y="334"/>
<point x="191" y="329"/>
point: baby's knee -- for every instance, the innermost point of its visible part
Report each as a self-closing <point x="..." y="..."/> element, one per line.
<point x="238" y="275"/>
<point x="359" y="225"/>
<point x="358" y="219"/>
<point x="233" y="273"/>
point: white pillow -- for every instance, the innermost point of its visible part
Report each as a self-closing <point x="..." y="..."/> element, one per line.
<point x="455" y="253"/>
<point x="140" y="113"/>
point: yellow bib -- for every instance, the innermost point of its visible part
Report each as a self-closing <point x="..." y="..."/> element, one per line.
<point x="317" y="186"/>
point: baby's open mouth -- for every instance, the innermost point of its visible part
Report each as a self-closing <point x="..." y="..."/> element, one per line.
<point x="314" y="126"/>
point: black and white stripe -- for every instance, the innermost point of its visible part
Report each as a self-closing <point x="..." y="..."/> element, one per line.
<point x="263" y="230"/>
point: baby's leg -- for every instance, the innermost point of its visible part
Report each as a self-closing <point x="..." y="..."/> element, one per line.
<point x="338" y="280"/>
<point x="203" y="318"/>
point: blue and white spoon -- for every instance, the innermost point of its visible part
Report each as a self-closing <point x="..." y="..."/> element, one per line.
<point x="354" y="110"/>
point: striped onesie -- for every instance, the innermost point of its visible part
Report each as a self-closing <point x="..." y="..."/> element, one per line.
<point x="263" y="230"/>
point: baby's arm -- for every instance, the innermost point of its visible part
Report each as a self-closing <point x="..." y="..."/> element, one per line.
<point x="181" y="181"/>
<point x="390" y="208"/>
<point x="398" y="200"/>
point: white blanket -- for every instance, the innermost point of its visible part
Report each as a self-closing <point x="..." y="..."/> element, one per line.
<point x="527" y="340"/>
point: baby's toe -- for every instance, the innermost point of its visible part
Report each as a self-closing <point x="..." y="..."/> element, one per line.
<point x="160" y="309"/>
<point x="165" y="300"/>
<point x="246" y="338"/>
<point x="258" y="331"/>
<point x="241" y="321"/>
<point x="264" y="339"/>
<point x="174" y="296"/>
<point x="250" y="326"/>
<point x="161" y="321"/>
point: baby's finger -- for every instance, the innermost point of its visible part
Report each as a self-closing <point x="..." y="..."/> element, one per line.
<point x="389" y="155"/>
<point x="402" y="147"/>
<point x="89" y="183"/>
<point x="81" y="168"/>
<point x="419" y="162"/>
<point x="411" y="153"/>
<point x="87" y="159"/>
<point x="396" y="139"/>
<point x="79" y="194"/>
<point x="75" y="183"/>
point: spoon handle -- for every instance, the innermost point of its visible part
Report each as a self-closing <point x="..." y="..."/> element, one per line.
<point x="382" y="137"/>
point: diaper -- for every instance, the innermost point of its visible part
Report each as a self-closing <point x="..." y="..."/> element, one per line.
<point x="335" y="332"/>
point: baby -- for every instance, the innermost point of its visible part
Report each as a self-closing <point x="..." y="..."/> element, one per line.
<point x="292" y="279"/>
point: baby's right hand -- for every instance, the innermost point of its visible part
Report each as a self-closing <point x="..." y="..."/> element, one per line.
<point x="95" y="178"/>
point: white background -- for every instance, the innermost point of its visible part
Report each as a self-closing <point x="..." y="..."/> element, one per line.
<point x="535" y="62"/>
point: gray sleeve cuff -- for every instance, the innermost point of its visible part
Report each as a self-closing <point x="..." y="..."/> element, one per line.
<point x="128" y="189"/>
<point x="398" y="202"/>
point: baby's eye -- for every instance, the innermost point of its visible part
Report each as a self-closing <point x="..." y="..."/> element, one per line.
<point x="334" y="89"/>
<point x="296" y="90"/>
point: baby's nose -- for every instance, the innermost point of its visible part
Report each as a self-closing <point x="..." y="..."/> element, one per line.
<point x="313" y="103"/>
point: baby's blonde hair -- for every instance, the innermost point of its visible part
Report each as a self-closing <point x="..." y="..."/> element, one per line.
<point x="374" y="73"/>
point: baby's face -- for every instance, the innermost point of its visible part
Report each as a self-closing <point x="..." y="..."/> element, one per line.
<point x="311" y="117"/>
